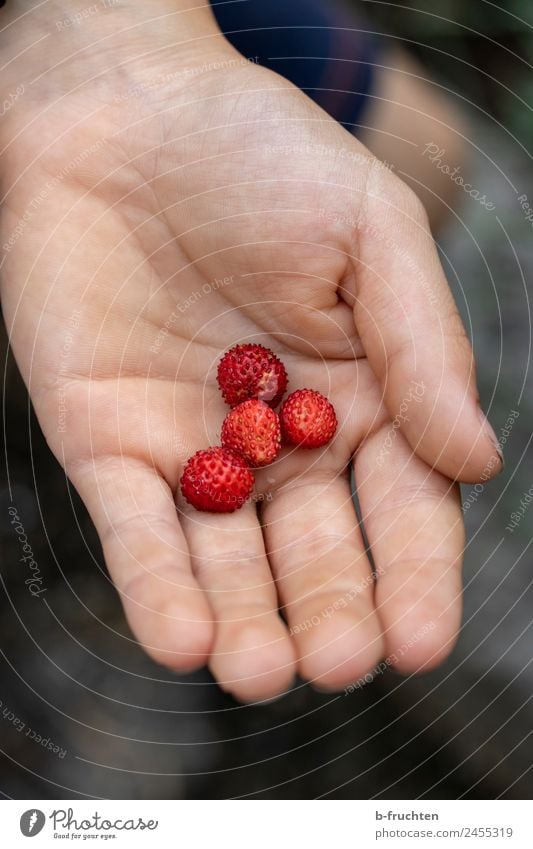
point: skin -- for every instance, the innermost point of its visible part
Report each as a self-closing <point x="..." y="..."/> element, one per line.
<point x="408" y="112"/>
<point x="166" y="183"/>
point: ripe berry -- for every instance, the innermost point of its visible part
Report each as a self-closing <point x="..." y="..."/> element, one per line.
<point x="307" y="419"/>
<point x="216" y="480"/>
<point x="251" y="371"/>
<point x="252" y="429"/>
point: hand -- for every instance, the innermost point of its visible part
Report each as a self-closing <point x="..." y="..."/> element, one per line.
<point x="153" y="218"/>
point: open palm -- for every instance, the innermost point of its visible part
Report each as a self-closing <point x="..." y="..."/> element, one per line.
<point x="179" y="221"/>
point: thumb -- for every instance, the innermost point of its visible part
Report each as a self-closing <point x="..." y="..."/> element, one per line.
<point x="414" y="338"/>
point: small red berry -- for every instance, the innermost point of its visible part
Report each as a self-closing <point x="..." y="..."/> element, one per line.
<point x="251" y="371"/>
<point x="252" y="429"/>
<point x="216" y="480"/>
<point x="307" y="419"/>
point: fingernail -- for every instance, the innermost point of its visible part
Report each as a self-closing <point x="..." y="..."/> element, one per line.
<point x="488" y="430"/>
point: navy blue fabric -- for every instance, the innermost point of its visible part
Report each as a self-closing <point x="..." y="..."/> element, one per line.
<point x="316" y="44"/>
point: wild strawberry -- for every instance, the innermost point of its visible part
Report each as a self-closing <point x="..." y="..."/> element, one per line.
<point x="307" y="419"/>
<point x="251" y="371"/>
<point x="252" y="429"/>
<point x="216" y="480"/>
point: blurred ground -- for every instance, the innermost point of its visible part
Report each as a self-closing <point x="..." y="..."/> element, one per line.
<point x="70" y="673"/>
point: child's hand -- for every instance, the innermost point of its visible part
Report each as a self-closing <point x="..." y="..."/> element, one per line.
<point x="156" y="217"/>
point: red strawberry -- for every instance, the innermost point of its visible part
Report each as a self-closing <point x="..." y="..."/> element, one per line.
<point x="307" y="419"/>
<point x="252" y="429"/>
<point x="216" y="480"/>
<point x="251" y="371"/>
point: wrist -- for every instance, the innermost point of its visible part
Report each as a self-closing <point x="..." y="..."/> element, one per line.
<point x="53" y="48"/>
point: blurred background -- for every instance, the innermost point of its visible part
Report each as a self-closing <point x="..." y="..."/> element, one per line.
<point x="83" y="713"/>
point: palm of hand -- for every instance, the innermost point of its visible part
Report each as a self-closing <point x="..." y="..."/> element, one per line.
<point x="186" y="230"/>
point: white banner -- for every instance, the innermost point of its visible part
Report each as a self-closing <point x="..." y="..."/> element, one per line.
<point x="266" y="824"/>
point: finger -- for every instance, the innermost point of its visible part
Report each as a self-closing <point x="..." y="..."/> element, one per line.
<point x="252" y="656"/>
<point x="413" y="521"/>
<point x="148" y="559"/>
<point x="324" y="579"/>
<point x="414" y="337"/>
